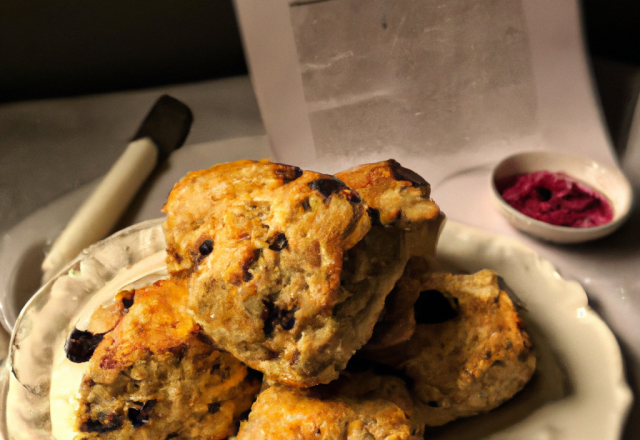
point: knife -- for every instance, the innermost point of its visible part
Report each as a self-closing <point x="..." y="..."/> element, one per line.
<point x="164" y="129"/>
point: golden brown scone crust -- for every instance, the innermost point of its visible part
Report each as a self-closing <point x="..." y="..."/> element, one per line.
<point x="400" y="200"/>
<point x="292" y="278"/>
<point x="263" y="244"/>
<point x="285" y="270"/>
<point x="155" y="375"/>
<point x="357" y="407"/>
<point x="469" y="364"/>
<point x="400" y="195"/>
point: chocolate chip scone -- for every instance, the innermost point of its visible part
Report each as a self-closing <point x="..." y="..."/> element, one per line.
<point x="355" y="407"/>
<point x="262" y="245"/>
<point x="155" y="374"/>
<point x="469" y="352"/>
<point x="406" y="224"/>
<point x="285" y="270"/>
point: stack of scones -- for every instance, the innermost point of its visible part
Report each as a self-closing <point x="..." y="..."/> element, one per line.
<point x="299" y="305"/>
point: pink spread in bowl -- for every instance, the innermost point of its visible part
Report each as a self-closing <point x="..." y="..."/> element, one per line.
<point x="557" y="199"/>
<point x="550" y="205"/>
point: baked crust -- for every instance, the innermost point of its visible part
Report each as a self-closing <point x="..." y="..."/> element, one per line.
<point x="285" y="270"/>
<point x="400" y="195"/>
<point x="399" y="200"/>
<point x="468" y="364"/>
<point x="355" y="407"/>
<point x="268" y="283"/>
<point x="155" y="375"/>
<point x="292" y="278"/>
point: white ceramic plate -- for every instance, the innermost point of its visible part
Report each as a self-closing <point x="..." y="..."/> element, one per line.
<point x="567" y="334"/>
<point x="578" y="392"/>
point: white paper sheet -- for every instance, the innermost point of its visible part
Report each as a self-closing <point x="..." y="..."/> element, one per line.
<point x="442" y="85"/>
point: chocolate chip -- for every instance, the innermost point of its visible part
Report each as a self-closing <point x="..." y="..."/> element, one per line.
<point x="113" y="422"/>
<point x="140" y="417"/>
<point x="246" y="275"/>
<point x="432" y="307"/>
<point x="544" y="193"/>
<point x="279" y="242"/>
<point x="127" y="298"/>
<point x="213" y="408"/>
<point x="272" y="315"/>
<point x="206" y="247"/>
<point x="353" y="196"/>
<point x="127" y="302"/>
<point x="287" y="319"/>
<point x="305" y="205"/>
<point x="269" y="316"/>
<point x="402" y="173"/>
<point x="288" y="173"/>
<point x="328" y="186"/>
<point x="433" y="404"/>
<point x="81" y="344"/>
<point x="172" y="435"/>
<point x="374" y="215"/>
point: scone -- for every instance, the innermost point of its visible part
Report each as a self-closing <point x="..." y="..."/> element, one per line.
<point x="156" y="375"/>
<point x="263" y="245"/>
<point x="469" y="352"/>
<point x="285" y="270"/>
<point x="360" y="406"/>
<point x="401" y="210"/>
<point x="396" y="196"/>
<point x="406" y="225"/>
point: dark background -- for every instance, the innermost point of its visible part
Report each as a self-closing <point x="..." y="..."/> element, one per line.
<point x="58" y="48"/>
<point x="53" y="48"/>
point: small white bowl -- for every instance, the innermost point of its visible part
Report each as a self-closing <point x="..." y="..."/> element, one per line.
<point x="609" y="182"/>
